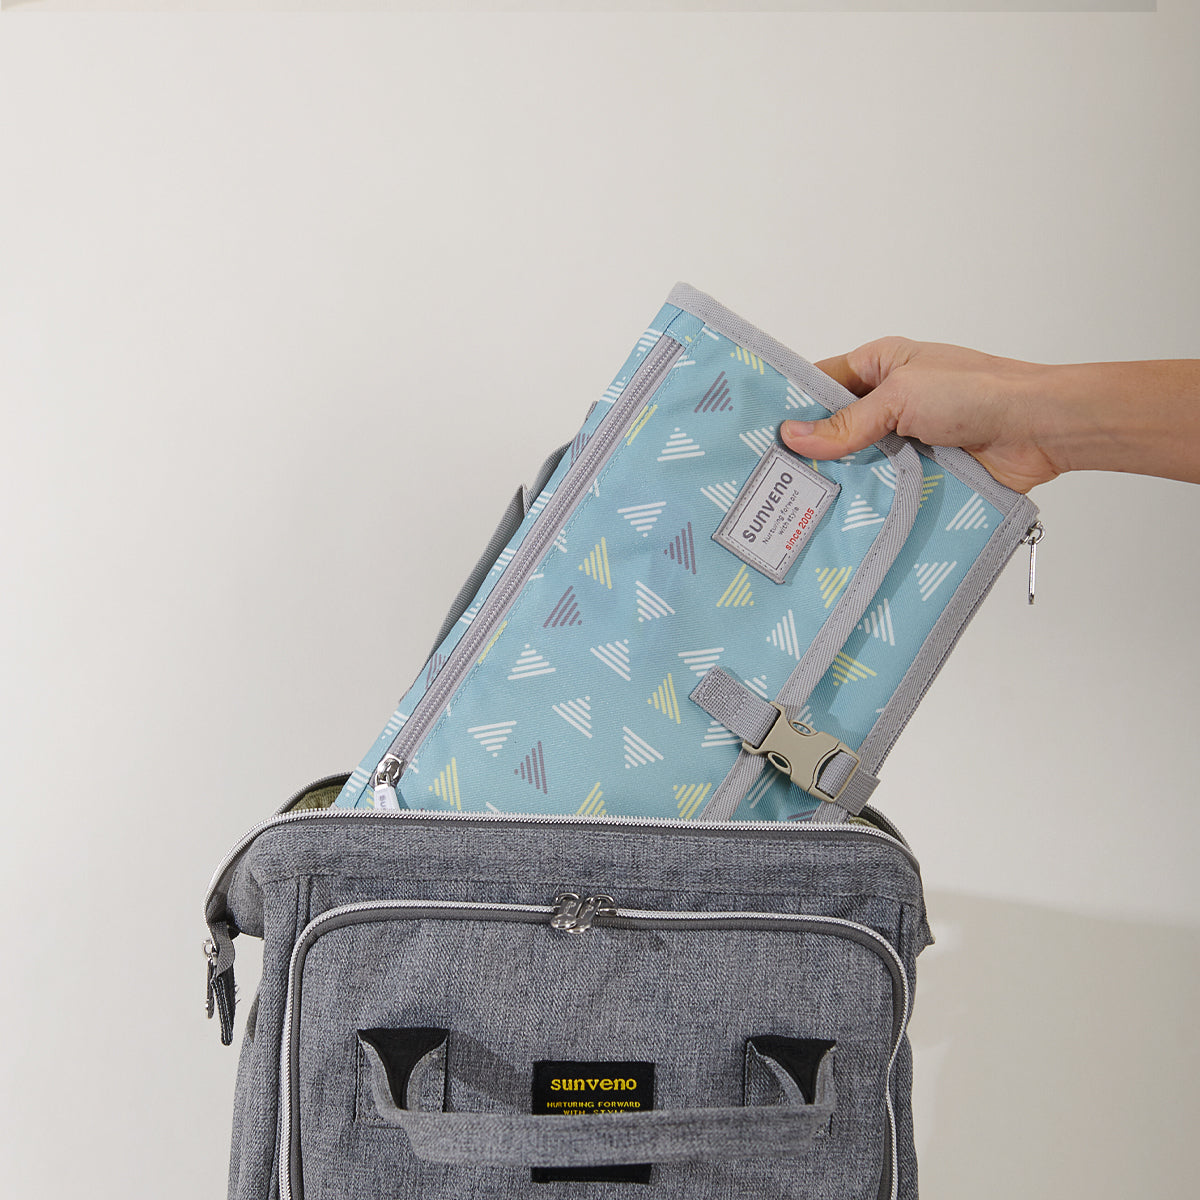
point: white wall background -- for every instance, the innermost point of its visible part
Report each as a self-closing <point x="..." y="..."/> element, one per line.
<point x="262" y="277"/>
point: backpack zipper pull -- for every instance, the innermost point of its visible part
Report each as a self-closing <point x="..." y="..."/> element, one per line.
<point x="1033" y="535"/>
<point x="575" y="915"/>
<point x="384" y="781"/>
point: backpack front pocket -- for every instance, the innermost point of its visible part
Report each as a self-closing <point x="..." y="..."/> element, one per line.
<point x="442" y="1050"/>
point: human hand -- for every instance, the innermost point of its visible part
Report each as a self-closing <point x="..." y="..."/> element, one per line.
<point x="945" y="396"/>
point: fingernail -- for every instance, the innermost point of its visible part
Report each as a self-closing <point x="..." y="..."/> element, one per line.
<point x="797" y="429"/>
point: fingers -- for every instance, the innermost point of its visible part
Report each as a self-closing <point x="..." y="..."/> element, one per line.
<point x="852" y="428"/>
<point x="869" y="365"/>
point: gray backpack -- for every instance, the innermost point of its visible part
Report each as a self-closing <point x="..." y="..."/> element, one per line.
<point x="480" y="982"/>
<point x="721" y="1006"/>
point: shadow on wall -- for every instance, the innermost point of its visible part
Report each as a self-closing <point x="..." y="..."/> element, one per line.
<point x="1056" y="1055"/>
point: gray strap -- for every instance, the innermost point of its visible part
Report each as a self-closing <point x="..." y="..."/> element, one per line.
<point x="747" y="714"/>
<point x="671" y="1135"/>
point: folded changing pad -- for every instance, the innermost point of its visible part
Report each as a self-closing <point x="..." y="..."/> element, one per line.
<point x="617" y="650"/>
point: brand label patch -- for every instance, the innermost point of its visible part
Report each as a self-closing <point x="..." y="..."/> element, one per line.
<point x="776" y="513"/>
<point x="577" y="1089"/>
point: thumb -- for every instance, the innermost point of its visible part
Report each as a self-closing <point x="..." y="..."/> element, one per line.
<point x="849" y="429"/>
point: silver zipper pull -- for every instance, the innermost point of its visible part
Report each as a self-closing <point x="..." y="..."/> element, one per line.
<point x="384" y="781"/>
<point x="574" y="915"/>
<point x="211" y="953"/>
<point x="566" y="909"/>
<point x="1033" y="535"/>
<point x="592" y="907"/>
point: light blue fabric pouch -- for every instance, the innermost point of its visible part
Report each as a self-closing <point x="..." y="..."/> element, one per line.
<point x="674" y="571"/>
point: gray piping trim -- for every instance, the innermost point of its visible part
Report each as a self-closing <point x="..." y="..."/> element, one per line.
<point x="823" y="649"/>
<point x="968" y="596"/>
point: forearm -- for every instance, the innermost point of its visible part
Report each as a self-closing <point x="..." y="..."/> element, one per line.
<point x="1142" y="417"/>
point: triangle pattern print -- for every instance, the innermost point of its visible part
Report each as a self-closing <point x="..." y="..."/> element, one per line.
<point x="436" y="663"/>
<point x="847" y="670"/>
<point x="689" y="797"/>
<point x="972" y="515"/>
<point x="665" y="700"/>
<point x="492" y="737"/>
<point x="759" y="440"/>
<point x="565" y="612"/>
<point x="783" y="636"/>
<point x="445" y="786"/>
<point x="702" y="661"/>
<point x="679" y="445"/>
<point x="650" y="605"/>
<point x="577" y="713"/>
<point x="751" y="360"/>
<point x="640" y="423"/>
<point x="721" y="494"/>
<point x="529" y="663"/>
<point x="931" y="576"/>
<point x="878" y="623"/>
<point x="738" y="593"/>
<point x="683" y="549"/>
<point x="929" y="486"/>
<point x="643" y="516"/>
<point x="615" y="655"/>
<point x="718" y="397"/>
<point x="860" y="513"/>
<point x="596" y="564"/>
<point x="798" y="398"/>
<point x="718" y="735"/>
<point x="832" y="580"/>
<point x="533" y="769"/>
<point x="638" y="752"/>
<point x="593" y="805"/>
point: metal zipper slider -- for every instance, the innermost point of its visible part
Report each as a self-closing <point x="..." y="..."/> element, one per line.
<point x="384" y="781"/>
<point x="573" y="915"/>
<point x="1033" y="535"/>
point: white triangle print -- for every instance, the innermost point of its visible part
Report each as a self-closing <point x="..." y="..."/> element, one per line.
<point x="492" y="737"/>
<point x="860" y="513"/>
<point x="679" y="445"/>
<point x="638" y="752"/>
<point x="614" y="655"/>
<point x="759" y="440"/>
<point x="577" y="713"/>
<point x="878" y="623"/>
<point x="931" y="576"/>
<point x="650" y="605"/>
<point x="643" y="516"/>
<point x="721" y="494"/>
<point x="702" y="661"/>
<point x="972" y="515"/>
<point x="783" y="636"/>
<point x="529" y="663"/>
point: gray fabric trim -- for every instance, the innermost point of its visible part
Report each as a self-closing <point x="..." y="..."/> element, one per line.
<point x="968" y="596"/>
<point x="673" y="1135"/>
<point x="840" y="624"/>
<point x="729" y="701"/>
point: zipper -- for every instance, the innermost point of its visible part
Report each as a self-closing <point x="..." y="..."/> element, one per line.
<point x="653" y="370"/>
<point x="564" y="914"/>
<point x="801" y="830"/>
<point x="1033" y="535"/>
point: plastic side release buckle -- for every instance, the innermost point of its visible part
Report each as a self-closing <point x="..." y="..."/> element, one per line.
<point x="802" y="753"/>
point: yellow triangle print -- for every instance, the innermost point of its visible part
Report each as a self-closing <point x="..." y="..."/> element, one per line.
<point x="492" y="641"/>
<point x="832" y="581"/>
<point x="738" y="593"/>
<point x="928" y="485"/>
<point x="689" y="797"/>
<point x="665" y="700"/>
<point x="596" y="564"/>
<point x="848" y="670"/>
<point x="751" y="360"/>
<point x="593" y="806"/>
<point x="445" y="786"/>
<point x="639" y="424"/>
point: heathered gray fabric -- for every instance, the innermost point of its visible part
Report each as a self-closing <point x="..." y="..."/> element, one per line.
<point x="514" y="991"/>
<point x="677" y="1135"/>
